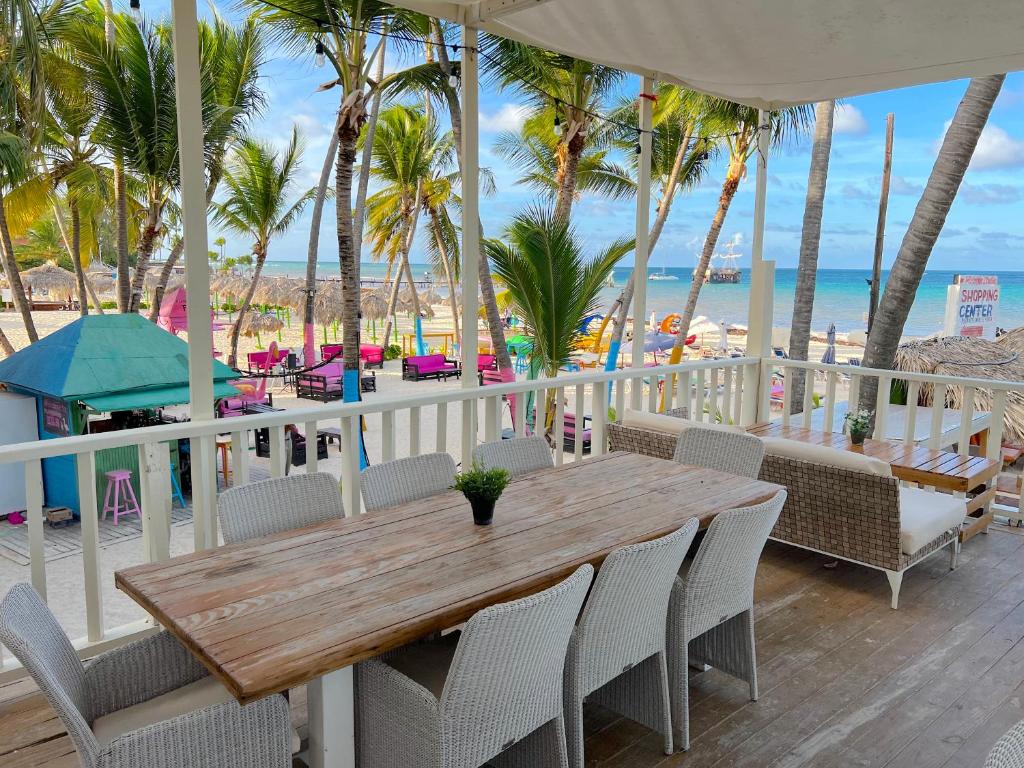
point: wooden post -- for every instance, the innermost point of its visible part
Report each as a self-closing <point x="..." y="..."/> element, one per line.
<point x="883" y="204"/>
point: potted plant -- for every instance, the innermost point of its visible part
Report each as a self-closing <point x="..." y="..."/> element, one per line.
<point x="482" y="487"/>
<point x="858" y="424"/>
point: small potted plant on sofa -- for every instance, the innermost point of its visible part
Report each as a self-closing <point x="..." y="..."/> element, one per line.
<point x="482" y="487"/>
<point x="858" y="424"/>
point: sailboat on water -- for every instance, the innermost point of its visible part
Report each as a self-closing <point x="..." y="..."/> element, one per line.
<point x="658" y="276"/>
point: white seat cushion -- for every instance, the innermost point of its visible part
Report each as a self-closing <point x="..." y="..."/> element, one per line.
<point x="820" y="454"/>
<point x="672" y="425"/>
<point x="925" y="515"/>
<point x="198" y="695"/>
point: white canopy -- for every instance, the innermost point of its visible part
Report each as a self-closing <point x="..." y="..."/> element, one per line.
<point x="765" y="53"/>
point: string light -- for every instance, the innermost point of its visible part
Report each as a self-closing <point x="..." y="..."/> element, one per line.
<point x="453" y="80"/>
<point x="135" y="6"/>
<point x="558" y="126"/>
<point x="321" y="56"/>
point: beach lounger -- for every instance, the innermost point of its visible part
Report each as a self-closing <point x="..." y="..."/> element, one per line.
<point x="437" y="366"/>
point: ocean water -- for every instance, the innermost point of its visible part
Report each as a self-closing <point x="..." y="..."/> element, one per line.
<point x="841" y="296"/>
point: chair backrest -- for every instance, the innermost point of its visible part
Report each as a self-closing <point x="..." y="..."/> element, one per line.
<point x="507" y="670"/>
<point x="280" y="504"/>
<point x="403" y="480"/>
<point x="1009" y="750"/>
<point x="518" y="455"/>
<point x="623" y="621"/>
<point x="720" y="583"/>
<point x="36" y="639"/>
<point x="717" y="449"/>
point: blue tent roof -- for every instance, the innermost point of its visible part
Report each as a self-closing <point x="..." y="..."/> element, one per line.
<point x="98" y="356"/>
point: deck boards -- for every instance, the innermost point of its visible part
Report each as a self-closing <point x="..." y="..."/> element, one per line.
<point x="845" y="681"/>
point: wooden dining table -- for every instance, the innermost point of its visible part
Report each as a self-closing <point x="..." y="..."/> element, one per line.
<point x="305" y="605"/>
<point x="943" y="470"/>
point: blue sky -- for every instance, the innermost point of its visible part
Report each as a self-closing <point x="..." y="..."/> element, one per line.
<point x="984" y="231"/>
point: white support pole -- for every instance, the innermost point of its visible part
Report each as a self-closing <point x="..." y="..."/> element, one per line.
<point x="470" y="271"/>
<point x="643" y="223"/>
<point x="193" y="206"/>
<point x="762" y="273"/>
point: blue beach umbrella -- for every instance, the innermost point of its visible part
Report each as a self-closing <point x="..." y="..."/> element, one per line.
<point x="829" y="358"/>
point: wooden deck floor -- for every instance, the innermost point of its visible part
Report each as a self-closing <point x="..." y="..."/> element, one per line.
<point x="845" y="681"/>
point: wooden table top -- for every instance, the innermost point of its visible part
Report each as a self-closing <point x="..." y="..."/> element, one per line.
<point x="282" y="610"/>
<point x="913" y="463"/>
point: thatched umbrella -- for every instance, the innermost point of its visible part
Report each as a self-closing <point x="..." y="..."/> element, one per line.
<point x="51" y="279"/>
<point x="100" y="276"/>
<point x="255" y="323"/>
<point x="1012" y="340"/>
<point x="373" y="306"/>
<point x="969" y="358"/>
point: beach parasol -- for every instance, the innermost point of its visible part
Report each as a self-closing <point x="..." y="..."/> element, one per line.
<point x="723" y="337"/>
<point x="829" y="357"/>
<point x="969" y="358"/>
<point x="656" y="341"/>
<point x="373" y="306"/>
<point x="255" y="323"/>
<point x="52" y="279"/>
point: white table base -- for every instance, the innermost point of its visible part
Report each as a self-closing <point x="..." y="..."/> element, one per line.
<point x="332" y="723"/>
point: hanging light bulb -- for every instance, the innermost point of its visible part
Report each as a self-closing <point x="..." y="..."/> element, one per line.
<point x="453" y="80"/>
<point x="558" y="126"/>
<point x="135" y="6"/>
<point x="638" y="149"/>
<point x="320" y="57"/>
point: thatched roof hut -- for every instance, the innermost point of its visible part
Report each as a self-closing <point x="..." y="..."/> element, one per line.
<point x="373" y="306"/>
<point x="52" y="279"/>
<point x="255" y="322"/>
<point x="974" y="359"/>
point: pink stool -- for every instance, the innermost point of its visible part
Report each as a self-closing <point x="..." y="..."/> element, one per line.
<point x="119" y="481"/>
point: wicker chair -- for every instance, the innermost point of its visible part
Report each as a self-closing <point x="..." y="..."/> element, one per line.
<point x="711" y="613"/>
<point x="518" y="455"/>
<point x="1009" y="750"/>
<point x="281" y="504"/>
<point x="493" y="695"/>
<point x="148" y="704"/>
<point x="617" y="654"/>
<point x="404" y="480"/>
<point x="649" y="442"/>
<point x="725" y="451"/>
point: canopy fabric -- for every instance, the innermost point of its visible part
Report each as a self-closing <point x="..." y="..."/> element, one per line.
<point x="158" y="397"/>
<point x="102" y="355"/>
<point x="767" y="54"/>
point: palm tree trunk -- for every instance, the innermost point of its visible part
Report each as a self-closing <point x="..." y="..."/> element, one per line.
<point x="58" y="217"/>
<point x="807" y="269"/>
<point x="929" y="217"/>
<point x="348" y="133"/>
<point x="442" y="249"/>
<point x="487" y="294"/>
<point x="620" y="309"/>
<point x="308" y="321"/>
<point x="737" y="166"/>
<point x="261" y="256"/>
<point x="76" y="257"/>
<point x="147" y="241"/>
<point x="392" y="302"/>
<point x="18" y="295"/>
<point x="567" y="185"/>
<point x="165" y="275"/>
<point x="124" y="290"/>
<point x="5" y="344"/>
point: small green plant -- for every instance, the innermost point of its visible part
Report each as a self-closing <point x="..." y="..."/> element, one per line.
<point x="392" y="352"/>
<point x="482" y="484"/>
<point x="859" y="422"/>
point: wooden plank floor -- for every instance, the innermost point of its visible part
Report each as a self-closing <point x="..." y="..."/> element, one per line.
<point x="845" y="681"/>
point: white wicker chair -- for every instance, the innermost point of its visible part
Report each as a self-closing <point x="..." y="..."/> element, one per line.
<point x="280" y="504"/>
<point x="711" y="613"/>
<point x="493" y="695"/>
<point x="617" y="653"/>
<point x="518" y="455"/>
<point x="404" y="480"/>
<point x="104" y="704"/>
<point x="1009" y="750"/>
<point x="737" y="454"/>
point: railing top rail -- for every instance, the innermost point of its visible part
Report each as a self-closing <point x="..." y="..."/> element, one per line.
<point x="40" y="449"/>
<point x="929" y="378"/>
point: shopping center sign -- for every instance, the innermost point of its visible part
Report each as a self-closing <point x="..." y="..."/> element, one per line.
<point x="972" y="303"/>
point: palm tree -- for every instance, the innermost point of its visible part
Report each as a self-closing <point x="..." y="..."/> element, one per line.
<point x="807" y="269"/>
<point x="552" y="283"/>
<point x="259" y="182"/>
<point x="679" y="161"/>
<point x="739" y="127"/>
<point x="232" y="57"/>
<point x="954" y="156"/>
<point x="578" y="88"/>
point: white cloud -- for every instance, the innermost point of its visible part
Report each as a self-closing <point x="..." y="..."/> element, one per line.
<point x="997" y="149"/>
<point x="849" y="120"/>
<point x="509" y="118"/>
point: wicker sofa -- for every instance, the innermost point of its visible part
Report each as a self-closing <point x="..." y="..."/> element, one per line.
<point x="841" y="504"/>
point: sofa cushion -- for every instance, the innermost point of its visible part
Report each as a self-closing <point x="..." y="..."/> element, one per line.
<point x="832" y="457"/>
<point x="926" y="515"/>
<point x="201" y="694"/>
<point x="672" y="425"/>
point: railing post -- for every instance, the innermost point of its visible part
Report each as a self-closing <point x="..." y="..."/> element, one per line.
<point x="204" y="491"/>
<point x="470" y="267"/>
<point x="350" y="489"/>
<point x="643" y="223"/>
<point x="155" y="491"/>
<point x="599" y="396"/>
<point x="312" y="450"/>
<point x="34" y="510"/>
<point x="89" y="516"/>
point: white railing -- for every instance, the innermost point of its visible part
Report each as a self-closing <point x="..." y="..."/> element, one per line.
<point x="710" y="390"/>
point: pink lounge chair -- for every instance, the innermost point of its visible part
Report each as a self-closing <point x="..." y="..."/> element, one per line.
<point x="437" y="366"/>
<point x="251" y="391"/>
<point x="372" y="355"/>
